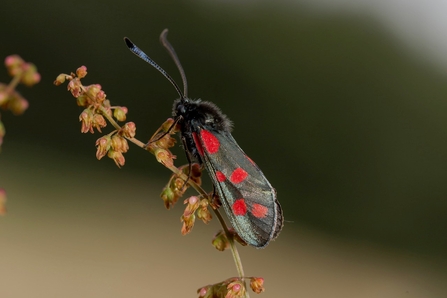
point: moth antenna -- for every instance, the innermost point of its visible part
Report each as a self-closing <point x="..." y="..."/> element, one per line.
<point x="164" y="41"/>
<point x="137" y="51"/>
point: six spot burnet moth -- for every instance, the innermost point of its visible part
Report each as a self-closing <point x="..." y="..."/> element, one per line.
<point x="248" y="198"/>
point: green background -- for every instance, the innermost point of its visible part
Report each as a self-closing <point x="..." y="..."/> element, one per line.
<point x="344" y="119"/>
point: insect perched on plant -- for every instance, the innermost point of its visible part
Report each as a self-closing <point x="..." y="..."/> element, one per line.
<point x="248" y="198"/>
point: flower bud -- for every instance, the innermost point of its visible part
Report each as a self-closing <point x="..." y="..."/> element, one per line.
<point x="117" y="157"/>
<point x="102" y="146"/>
<point x="99" y="121"/>
<point x="168" y="197"/>
<point x="119" y="144"/>
<point x="120" y="113"/>
<point x="205" y="292"/>
<point x="75" y="87"/>
<point x="86" y="119"/>
<point x="164" y="157"/>
<point x="220" y="241"/>
<point x="81" y="72"/>
<point x="60" y="79"/>
<point x="257" y="284"/>
<point x="129" y="130"/>
<point x="236" y="289"/>
<point x="203" y="213"/>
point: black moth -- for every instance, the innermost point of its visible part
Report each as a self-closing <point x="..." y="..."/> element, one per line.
<point x="247" y="197"/>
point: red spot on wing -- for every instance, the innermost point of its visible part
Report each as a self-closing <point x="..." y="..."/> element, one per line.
<point x="238" y="175"/>
<point x="198" y="144"/>
<point x="220" y="176"/>
<point x="210" y="141"/>
<point x="239" y="207"/>
<point x="259" y="210"/>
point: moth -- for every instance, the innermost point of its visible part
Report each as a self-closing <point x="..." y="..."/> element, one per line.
<point x="248" y="198"/>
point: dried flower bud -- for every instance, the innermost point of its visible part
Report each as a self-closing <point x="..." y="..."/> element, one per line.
<point x="2" y="201"/>
<point x="92" y="90"/>
<point x="164" y="157"/>
<point x="102" y="146"/>
<point x="100" y="97"/>
<point x="99" y="121"/>
<point x="86" y="119"/>
<point x="75" y="87"/>
<point x="236" y="289"/>
<point x="81" y="72"/>
<point x="203" y="213"/>
<point x="129" y="130"/>
<point x="120" y="113"/>
<point x="188" y="218"/>
<point x="257" y="284"/>
<point x="220" y="241"/>
<point x="119" y="144"/>
<point x="60" y="79"/>
<point x="117" y="157"/>
<point x="165" y="142"/>
<point x="169" y="197"/>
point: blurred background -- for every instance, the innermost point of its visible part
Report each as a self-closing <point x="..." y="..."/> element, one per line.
<point x="342" y="104"/>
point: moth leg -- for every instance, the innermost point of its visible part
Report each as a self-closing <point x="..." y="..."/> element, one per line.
<point x="176" y="120"/>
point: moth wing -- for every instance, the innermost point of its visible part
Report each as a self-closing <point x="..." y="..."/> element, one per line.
<point x="247" y="196"/>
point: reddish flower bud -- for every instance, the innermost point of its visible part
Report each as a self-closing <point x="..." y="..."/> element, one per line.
<point x="81" y="72"/>
<point x="100" y="96"/>
<point x="86" y="119"/>
<point x="165" y="142"/>
<point x="235" y="289"/>
<point x="257" y="284"/>
<point x="119" y="144"/>
<point x="117" y="157"/>
<point x="75" y="87"/>
<point x="120" y="113"/>
<point x="188" y="218"/>
<point x="205" y="292"/>
<point x="164" y="157"/>
<point x="92" y="90"/>
<point x="102" y="146"/>
<point x="99" y="121"/>
<point x="129" y="130"/>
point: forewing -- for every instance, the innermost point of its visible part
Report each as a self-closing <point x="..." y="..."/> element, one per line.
<point x="247" y="196"/>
